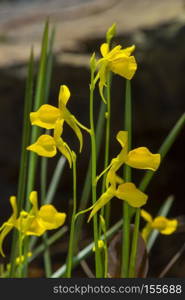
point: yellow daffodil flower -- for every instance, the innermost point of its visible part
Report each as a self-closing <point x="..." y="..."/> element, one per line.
<point x="47" y="115"/>
<point x="117" y="60"/>
<point x="35" y="222"/>
<point x="125" y="191"/>
<point x="139" y="158"/>
<point x="160" y="223"/>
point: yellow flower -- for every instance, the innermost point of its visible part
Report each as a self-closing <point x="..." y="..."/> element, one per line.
<point x="47" y="115"/>
<point x="9" y="224"/>
<point x="125" y="191"/>
<point x="47" y="145"/>
<point x="44" y="146"/>
<point x="101" y="245"/>
<point x="139" y="158"/>
<point x="35" y="222"/>
<point x="117" y="60"/>
<point x="160" y="223"/>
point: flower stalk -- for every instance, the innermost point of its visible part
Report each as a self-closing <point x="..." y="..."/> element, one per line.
<point x="72" y="230"/>
<point x="98" y="264"/>
<point x="127" y="177"/>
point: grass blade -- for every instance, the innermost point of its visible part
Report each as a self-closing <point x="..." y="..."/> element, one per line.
<point x="86" y="251"/>
<point x="24" y="154"/>
<point x="39" y="100"/>
<point x="164" y="210"/>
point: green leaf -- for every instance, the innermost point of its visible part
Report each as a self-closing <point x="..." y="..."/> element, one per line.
<point x="38" y="101"/>
<point x="24" y="155"/>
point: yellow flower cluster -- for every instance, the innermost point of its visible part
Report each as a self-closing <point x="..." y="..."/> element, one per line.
<point x="160" y="223"/>
<point x="50" y="117"/>
<point x="139" y="158"/>
<point x="117" y="60"/>
<point x="35" y="222"/>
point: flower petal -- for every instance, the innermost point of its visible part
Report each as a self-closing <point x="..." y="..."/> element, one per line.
<point x="34" y="201"/>
<point x="164" y="225"/>
<point x="142" y="158"/>
<point x="5" y="231"/>
<point x="61" y="145"/>
<point x="122" y="138"/>
<point x="24" y="222"/>
<point x="50" y="218"/>
<point x="64" y="95"/>
<point x="44" y="146"/>
<point x="103" y="70"/>
<point x="13" y="203"/>
<point x="128" y="51"/>
<point x="34" y="227"/>
<point x="146" y="232"/>
<point x="9" y="224"/>
<point x="70" y="120"/>
<point x="112" y="178"/>
<point x="128" y="192"/>
<point x="125" y="66"/>
<point x="45" y="117"/>
<point x="146" y="216"/>
<point x="113" y="53"/>
<point x="104" y="49"/>
<point x="103" y="200"/>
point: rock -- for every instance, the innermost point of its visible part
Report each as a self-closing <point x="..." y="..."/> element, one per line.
<point x="77" y="21"/>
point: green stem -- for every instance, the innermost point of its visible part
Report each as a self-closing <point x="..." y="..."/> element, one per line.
<point x="93" y="178"/>
<point x="20" y="256"/>
<point x="72" y="230"/>
<point x="87" y="250"/>
<point x="163" y="150"/>
<point x="132" y="266"/>
<point x="39" y="249"/>
<point x="24" y="155"/>
<point x="127" y="178"/>
<point x="25" y="136"/>
<point x="47" y="257"/>
<point x="55" y="180"/>
<point x="107" y="148"/>
<point x="87" y="185"/>
<point x="39" y="100"/>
